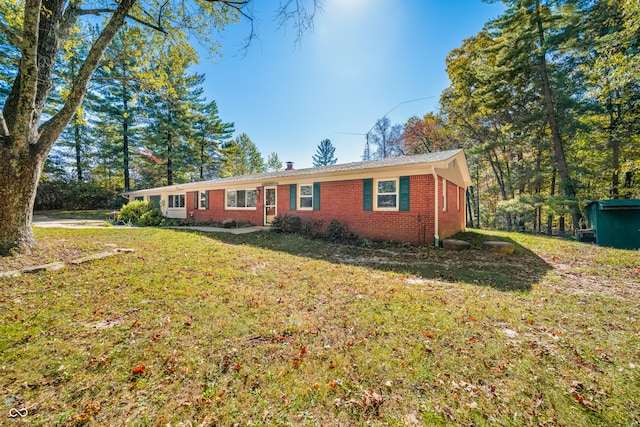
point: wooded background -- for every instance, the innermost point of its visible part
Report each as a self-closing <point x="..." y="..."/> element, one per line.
<point x="545" y="101"/>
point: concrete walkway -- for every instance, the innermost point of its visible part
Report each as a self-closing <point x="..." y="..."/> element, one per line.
<point x="46" y="222"/>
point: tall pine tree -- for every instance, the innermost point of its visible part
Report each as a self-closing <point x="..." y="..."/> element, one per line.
<point x="325" y="154"/>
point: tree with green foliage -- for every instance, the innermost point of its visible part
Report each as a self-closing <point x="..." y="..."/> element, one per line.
<point x="73" y="147"/>
<point x="118" y="87"/>
<point x="525" y="36"/>
<point x="325" y="154"/>
<point x="173" y="99"/>
<point x="425" y="135"/>
<point x="273" y="163"/>
<point x="36" y="30"/>
<point x="614" y="88"/>
<point x="241" y="157"/>
<point x="210" y="133"/>
<point x="467" y="109"/>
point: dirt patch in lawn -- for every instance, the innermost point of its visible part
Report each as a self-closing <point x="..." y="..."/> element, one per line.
<point x="48" y="251"/>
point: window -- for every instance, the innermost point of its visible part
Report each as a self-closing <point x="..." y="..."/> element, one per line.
<point x="176" y="201"/>
<point x="444" y="195"/>
<point x="306" y="197"/>
<point x="204" y="200"/>
<point x="241" y="199"/>
<point x="387" y="194"/>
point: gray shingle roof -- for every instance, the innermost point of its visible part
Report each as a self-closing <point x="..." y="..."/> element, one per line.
<point x="346" y="167"/>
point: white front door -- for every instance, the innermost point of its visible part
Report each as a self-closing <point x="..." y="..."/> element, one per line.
<point x="270" y="201"/>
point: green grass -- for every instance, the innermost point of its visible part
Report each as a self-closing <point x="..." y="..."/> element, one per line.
<point x="266" y="329"/>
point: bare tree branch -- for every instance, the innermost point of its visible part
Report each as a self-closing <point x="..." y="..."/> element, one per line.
<point x="298" y="12"/>
<point x="157" y="27"/>
<point x="239" y="6"/>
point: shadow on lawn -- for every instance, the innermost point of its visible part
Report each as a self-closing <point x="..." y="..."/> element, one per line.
<point x="515" y="272"/>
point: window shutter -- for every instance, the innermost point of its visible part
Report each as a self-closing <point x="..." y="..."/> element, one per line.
<point x="293" y="194"/>
<point x="367" y="195"/>
<point x="196" y="200"/>
<point x="316" y="196"/>
<point x="206" y="200"/>
<point x="403" y="206"/>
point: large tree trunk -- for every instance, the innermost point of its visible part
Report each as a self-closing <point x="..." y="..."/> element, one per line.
<point x="18" y="183"/>
<point x="78" y="146"/>
<point x="125" y="137"/>
<point x="24" y="143"/>
<point x="552" y="193"/>
<point x="615" y="152"/>
<point x="497" y="171"/>
<point x="169" y="159"/>
<point x="561" y="162"/>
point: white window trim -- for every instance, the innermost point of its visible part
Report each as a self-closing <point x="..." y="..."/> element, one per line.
<point x="375" y="195"/>
<point x="180" y="195"/>
<point x="232" y="208"/>
<point x="200" y="200"/>
<point x="444" y="195"/>
<point x="299" y="196"/>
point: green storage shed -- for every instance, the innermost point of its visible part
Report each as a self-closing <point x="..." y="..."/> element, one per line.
<point x="615" y="222"/>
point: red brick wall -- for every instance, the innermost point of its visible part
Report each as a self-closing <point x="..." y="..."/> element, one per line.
<point x="217" y="212"/>
<point x="343" y="201"/>
<point x="451" y="220"/>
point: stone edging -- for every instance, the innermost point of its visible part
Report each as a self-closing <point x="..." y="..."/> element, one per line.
<point x="55" y="266"/>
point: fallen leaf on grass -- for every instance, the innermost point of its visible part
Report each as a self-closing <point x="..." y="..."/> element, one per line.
<point x="91" y="409"/>
<point x="138" y="370"/>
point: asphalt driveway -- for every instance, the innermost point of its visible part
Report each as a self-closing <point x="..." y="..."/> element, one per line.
<point x="44" y="221"/>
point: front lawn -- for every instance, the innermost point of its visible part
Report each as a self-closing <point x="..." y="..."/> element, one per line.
<point x="268" y="329"/>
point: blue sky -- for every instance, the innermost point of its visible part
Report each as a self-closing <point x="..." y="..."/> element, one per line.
<point x="362" y="59"/>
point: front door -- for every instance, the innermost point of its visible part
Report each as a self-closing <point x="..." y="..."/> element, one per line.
<point x="155" y="201"/>
<point x="270" y="200"/>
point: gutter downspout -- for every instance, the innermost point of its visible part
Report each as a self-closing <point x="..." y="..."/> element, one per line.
<point x="436" y="237"/>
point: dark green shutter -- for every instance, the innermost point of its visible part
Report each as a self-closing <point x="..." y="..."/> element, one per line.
<point x="367" y="195"/>
<point x="403" y="206"/>
<point x="207" y="200"/>
<point x="316" y="196"/>
<point x="196" y="201"/>
<point x="293" y="193"/>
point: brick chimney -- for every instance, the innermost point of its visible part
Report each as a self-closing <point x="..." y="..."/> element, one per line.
<point x="289" y="166"/>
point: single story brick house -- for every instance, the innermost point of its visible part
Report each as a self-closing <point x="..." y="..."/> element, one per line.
<point x="418" y="199"/>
